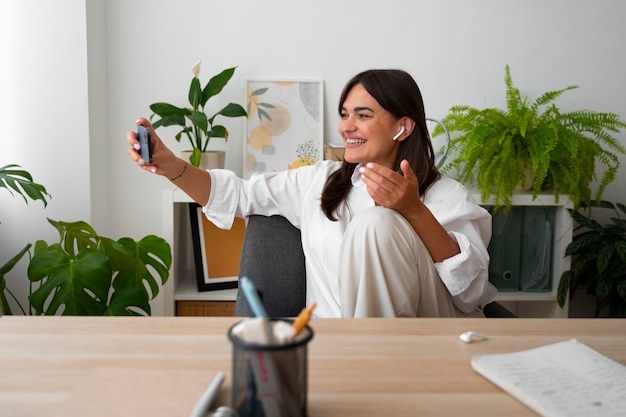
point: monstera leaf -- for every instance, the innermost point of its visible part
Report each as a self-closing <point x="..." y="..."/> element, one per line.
<point x="80" y="283"/>
<point x="21" y="182"/>
<point x="150" y="251"/>
<point x="17" y="181"/>
<point x="5" y="308"/>
<point x="88" y="274"/>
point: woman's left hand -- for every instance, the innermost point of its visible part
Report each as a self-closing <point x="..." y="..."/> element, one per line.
<point x="391" y="189"/>
<point x="400" y="193"/>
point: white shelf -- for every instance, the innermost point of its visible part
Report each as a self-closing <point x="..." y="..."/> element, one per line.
<point x="525" y="296"/>
<point x="543" y="304"/>
<point x="179" y="196"/>
<point x="526" y="199"/>
<point x="181" y="285"/>
<point x="187" y="290"/>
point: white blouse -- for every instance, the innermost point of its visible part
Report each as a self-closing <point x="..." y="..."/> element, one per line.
<point x="296" y="194"/>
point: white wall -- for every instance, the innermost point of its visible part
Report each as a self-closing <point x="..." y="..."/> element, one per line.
<point x="44" y="121"/>
<point x="455" y="49"/>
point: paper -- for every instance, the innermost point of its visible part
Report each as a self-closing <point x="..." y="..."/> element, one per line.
<point x="132" y="392"/>
<point x="562" y="379"/>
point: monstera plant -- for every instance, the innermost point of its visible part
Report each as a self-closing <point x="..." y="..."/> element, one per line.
<point x="19" y="181"/>
<point x="93" y="275"/>
<point x="84" y="273"/>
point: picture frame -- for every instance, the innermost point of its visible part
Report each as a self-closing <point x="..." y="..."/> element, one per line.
<point x="285" y="125"/>
<point x="216" y="251"/>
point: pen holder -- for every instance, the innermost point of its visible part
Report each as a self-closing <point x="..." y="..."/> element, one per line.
<point x="270" y="380"/>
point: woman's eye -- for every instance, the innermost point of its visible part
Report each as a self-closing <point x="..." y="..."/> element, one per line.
<point x="343" y="115"/>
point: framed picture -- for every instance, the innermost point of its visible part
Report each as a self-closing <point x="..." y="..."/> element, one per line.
<point x="216" y="251"/>
<point x="285" y="126"/>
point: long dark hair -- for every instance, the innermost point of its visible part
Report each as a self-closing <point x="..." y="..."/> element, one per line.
<point x="397" y="92"/>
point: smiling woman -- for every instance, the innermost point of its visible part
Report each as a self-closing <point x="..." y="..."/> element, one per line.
<point x="379" y="244"/>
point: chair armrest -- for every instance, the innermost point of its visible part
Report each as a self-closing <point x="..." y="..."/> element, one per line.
<point x="497" y="310"/>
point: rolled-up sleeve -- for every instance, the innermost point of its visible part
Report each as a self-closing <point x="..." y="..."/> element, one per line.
<point x="465" y="275"/>
<point x="224" y="200"/>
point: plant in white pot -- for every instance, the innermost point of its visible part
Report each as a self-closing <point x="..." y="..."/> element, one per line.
<point x="198" y="126"/>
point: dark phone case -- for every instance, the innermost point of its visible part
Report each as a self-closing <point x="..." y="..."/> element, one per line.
<point x="143" y="134"/>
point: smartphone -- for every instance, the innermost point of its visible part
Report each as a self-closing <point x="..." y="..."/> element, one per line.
<point x="143" y="135"/>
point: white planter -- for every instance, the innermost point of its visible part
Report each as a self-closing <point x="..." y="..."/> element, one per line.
<point x="208" y="159"/>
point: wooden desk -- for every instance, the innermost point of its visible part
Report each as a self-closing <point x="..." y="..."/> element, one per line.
<point x="362" y="367"/>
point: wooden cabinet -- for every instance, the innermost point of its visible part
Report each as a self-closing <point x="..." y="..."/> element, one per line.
<point x="205" y="308"/>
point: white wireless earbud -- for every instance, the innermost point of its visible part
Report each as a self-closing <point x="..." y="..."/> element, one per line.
<point x="469" y="337"/>
<point x="397" y="135"/>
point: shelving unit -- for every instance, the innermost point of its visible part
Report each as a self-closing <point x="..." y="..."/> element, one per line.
<point x="181" y="288"/>
<point x="543" y="304"/>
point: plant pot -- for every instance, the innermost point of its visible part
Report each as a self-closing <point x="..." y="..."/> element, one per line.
<point x="528" y="183"/>
<point x="208" y="159"/>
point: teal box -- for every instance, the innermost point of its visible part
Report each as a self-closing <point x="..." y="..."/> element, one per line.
<point x="505" y="249"/>
<point x="536" y="256"/>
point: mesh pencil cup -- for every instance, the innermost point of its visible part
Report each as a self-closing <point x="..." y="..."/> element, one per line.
<point x="270" y="380"/>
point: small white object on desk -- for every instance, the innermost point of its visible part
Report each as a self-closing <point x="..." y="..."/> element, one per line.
<point x="469" y="337"/>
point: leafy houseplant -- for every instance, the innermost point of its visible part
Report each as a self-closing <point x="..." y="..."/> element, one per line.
<point x="599" y="261"/>
<point x="95" y="275"/>
<point x="502" y="150"/>
<point x="85" y="273"/>
<point x="201" y="127"/>
<point x="21" y="182"/>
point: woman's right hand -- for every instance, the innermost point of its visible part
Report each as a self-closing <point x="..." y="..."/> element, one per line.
<point x="164" y="162"/>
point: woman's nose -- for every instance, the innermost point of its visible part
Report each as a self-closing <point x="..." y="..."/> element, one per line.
<point x="346" y="125"/>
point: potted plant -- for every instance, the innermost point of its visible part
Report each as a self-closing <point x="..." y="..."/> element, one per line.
<point x="196" y="124"/>
<point x="532" y="145"/>
<point x="84" y="273"/>
<point x="599" y="260"/>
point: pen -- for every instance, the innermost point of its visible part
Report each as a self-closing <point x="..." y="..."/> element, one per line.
<point x="208" y="396"/>
<point x="255" y="304"/>
<point x="303" y="318"/>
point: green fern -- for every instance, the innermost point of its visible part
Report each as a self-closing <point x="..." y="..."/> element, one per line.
<point x="501" y="150"/>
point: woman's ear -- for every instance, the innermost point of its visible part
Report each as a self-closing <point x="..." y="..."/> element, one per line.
<point x="408" y="125"/>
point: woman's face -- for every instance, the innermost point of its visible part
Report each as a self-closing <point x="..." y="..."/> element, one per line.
<point x="367" y="129"/>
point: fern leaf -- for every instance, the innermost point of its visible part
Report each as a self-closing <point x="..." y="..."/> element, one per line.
<point x="549" y="97"/>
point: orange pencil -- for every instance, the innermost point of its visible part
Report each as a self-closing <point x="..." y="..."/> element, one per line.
<point x="303" y="318"/>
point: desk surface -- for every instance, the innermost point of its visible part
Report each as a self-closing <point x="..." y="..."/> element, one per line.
<point x="373" y="367"/>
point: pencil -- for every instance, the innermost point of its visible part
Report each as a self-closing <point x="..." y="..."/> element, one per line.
<point x="303" y="318"/>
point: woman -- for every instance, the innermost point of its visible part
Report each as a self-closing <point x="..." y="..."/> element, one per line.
<point x="384" y="234"/>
